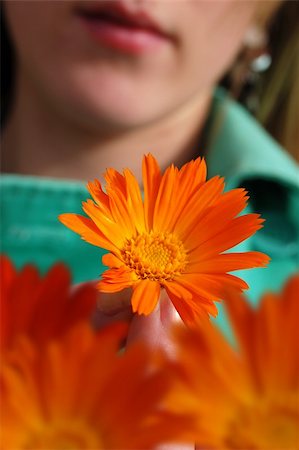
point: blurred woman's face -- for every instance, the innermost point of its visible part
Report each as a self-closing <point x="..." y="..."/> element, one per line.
<point x="125" y="63"/>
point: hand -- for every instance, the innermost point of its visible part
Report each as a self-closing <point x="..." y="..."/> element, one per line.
<point x="153" y="329"/>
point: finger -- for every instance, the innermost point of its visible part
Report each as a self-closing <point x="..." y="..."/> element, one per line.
<point x="112" y="308"/>
<point x="100" y="320"/>
<point x="111" y="304"/>
<point x="155" y="329"/>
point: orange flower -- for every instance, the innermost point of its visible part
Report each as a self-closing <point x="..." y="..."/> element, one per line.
<point x="245" y="399"/>
<point x="78" y="393"/>
<point x="40" y="307"/>
<point x="175" y="239"/>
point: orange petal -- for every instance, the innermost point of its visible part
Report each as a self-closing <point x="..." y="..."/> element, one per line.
<point x="120" y="213"/>
<point x="116" y="181"/>
<point x="195" y="207"/>
<point x="105" y="224"/>
<point x="178" y="290"/>
<point x="97" y="193"/>
<point x="189" y="315"/>
<point x="226" y="206"/>
<point x="134" y="201"/>
<point x="87" y="229"/>
<point x="166" y="199"/>
<point x="231" y="281"/>
<point x="193" y="298"/>
<point x="189" y="179"/>
<point x="192" y="175"/>
<point x="228" y="262"/>
<point x="145" y="296"/>
<point x="201" y="286"/>
<point x="241" y="316"/>
<point x="116" y="279"/>
<point x="112" y="261"/>
<point x="151" y="181"/>
<point x="211" y="240"/>
<point x="8" y="273"/>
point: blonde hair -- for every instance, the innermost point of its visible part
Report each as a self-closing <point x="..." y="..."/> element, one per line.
<point x="279" y="100"/>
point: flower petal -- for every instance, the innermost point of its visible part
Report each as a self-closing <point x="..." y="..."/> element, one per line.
<point x="99" y="196"/>
<point x="112" y="261"/>
<point x="151" y="181"/>
<point x="194" y="299"/>
<point x="145" y="296"/>
<point x="116" y="279"/>
<point x="189" y="315"/>
<point x="134" y="201"/>
<point x="192" y="175"/>
<point x="120" y="213"/>
<point x="228" y="262"/>
<point x="87" y="229"/>
<point x="105" y="224"/>
<point x="165" y="201"/>
<point x="190" y="178"/>
<point x="227" y="206"/>
<point x="115" y="181"/>
<point x="213" y="239"/>
<point x="197" y="206"/>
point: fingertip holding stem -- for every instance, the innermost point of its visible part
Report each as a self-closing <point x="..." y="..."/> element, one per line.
<point x="155" y="329"/>
<point x="112" y="308"/>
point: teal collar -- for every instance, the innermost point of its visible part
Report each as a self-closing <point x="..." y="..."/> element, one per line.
<point x="240" y="149"/>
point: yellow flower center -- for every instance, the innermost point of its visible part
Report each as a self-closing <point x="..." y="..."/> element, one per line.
<point x="157" y="256"/>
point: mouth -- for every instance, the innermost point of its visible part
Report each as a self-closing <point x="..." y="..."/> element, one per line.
<point x="113" y="25"/>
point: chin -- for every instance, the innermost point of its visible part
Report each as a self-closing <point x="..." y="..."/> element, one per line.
<point x="103" y="113"/>
<point x="108" y="99"/>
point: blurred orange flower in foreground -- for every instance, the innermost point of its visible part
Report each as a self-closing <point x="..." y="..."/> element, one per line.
<point x="245" y="398"/>
<point x="79" y="393"/>
<point x="42" y="307"/>
<point x="174" y="239"/>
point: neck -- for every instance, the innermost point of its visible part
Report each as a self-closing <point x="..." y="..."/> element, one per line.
<point x="37" y="141"/>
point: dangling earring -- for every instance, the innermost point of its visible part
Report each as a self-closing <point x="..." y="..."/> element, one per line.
<point x="247" y="74"/>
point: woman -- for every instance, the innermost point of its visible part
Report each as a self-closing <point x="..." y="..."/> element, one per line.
<point x="100" y="83"/>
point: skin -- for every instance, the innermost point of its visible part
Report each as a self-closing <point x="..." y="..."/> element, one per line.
<point x="157" y="101"/>
<point x="90" y="107"/>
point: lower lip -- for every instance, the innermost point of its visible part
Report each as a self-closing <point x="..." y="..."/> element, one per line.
<point x="122" y="38"/>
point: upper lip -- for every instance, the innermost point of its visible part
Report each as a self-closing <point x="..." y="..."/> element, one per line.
<point x="121" y="12"/>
